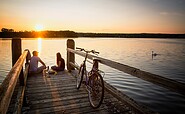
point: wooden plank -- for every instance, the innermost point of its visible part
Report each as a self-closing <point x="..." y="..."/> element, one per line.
<point x="51" y="79"/>
<point x="124" y="98"/>
<point x="33" y="101"/>
<point x="153" y="78"/>
<point x="60" y="102"/>
<point x="77" y="108"/>
<point x="9" y="83"/>
<point x="50" y="94"/>
<point x="50" y="84"/>
<point x="20" y="96"/>
<point x="53" y="86"/>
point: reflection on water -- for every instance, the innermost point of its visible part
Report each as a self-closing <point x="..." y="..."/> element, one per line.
<point x="134" y="52"/>
<point x="5" y="58"/>
<point x="39" y="45"/>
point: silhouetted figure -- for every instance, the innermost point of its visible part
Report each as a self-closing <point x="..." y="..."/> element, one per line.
<point x="60" y="63"/>
<point x="34" y="63"/>
<point x="154" y="54"/>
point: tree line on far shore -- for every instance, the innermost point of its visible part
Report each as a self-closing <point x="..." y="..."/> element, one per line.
<point x="131" y="35"/>
<point x="10" y="33"/>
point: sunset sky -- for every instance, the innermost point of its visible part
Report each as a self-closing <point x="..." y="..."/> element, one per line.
<point x="110" y="16"/>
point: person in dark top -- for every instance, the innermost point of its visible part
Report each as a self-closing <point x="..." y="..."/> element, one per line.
<point x="60" y="63"/>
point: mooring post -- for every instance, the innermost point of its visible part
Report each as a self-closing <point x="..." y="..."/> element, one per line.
<point x="16" y="53"/>
<point x="70" y="56"/>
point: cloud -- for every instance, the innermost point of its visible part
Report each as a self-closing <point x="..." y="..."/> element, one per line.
<point x="171" y="13"/>
<point x="164" y="13"/>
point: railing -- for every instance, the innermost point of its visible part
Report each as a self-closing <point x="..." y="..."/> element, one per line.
<point x="170" y="84"/>
<point x="153" y="78"/>
<point x="8" y="85"/>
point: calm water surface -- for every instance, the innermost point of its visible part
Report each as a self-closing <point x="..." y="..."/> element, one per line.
<point x="135" y="52"/>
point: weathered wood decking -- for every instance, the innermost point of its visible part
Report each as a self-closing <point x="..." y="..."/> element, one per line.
<point x="58" y="94"/>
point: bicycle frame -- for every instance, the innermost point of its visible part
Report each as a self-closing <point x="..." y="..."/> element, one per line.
<point x="84" y="66"/>
<point x="95" y="67"/>
<point x="93" y="80"/>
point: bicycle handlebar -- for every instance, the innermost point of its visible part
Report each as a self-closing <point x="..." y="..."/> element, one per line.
<point x="81" y="49"/>
<point x="92" y="51"/>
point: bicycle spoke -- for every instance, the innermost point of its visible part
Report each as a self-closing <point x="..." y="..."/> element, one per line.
<point x="96" y="91"/>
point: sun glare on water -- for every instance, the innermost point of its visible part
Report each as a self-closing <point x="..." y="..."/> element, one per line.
<point x="39" y="45"/>
<point x="39" y="27"/>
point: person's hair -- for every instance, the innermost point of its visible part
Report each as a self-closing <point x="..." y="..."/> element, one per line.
<point x="35" y="53"/>
<point x="58" y="57"/>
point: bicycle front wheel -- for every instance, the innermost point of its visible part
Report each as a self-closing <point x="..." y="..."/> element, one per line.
<point x="79" y="77"/>
<point x="96" y="90"/>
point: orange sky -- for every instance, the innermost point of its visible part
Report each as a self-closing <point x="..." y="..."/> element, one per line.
<point x="114" y="16"/>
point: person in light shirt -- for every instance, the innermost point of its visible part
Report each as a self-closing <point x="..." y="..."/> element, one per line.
<point x="34" y="63"/>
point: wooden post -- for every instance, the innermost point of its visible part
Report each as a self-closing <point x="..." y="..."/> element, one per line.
<point x="16" y="53"/>
<point x="70" y="56"/>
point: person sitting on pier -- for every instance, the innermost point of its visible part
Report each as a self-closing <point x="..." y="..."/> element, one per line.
<point x="60" y="63"/>
<point x="34" y="63"/>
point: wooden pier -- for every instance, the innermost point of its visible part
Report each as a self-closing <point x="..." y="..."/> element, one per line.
<point x="58" y="94"/>
<point x="36" y="94"/>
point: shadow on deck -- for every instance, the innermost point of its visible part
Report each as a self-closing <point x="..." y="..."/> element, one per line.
<point x="58" y="94"/>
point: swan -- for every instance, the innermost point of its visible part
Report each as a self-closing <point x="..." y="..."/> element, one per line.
<point x="154" y="54"/>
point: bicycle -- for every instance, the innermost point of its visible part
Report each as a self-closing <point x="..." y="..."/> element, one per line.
<point x="93" y="80"/>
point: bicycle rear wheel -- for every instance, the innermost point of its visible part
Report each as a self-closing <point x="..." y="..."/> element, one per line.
<point x="96" y="90"/>
<point x="79" y="77"/>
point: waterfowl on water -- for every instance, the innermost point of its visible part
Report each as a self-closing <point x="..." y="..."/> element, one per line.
<point x="154" y="54"/>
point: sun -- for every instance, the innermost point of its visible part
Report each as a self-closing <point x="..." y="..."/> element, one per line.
<point x="39" y="27"/>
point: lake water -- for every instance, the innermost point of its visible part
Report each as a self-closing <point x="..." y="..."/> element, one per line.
<point x="134" y="52"/>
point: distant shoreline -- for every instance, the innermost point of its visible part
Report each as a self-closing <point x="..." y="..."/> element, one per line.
<point x="131" y="35"/>
<point x="72" y="34"/>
